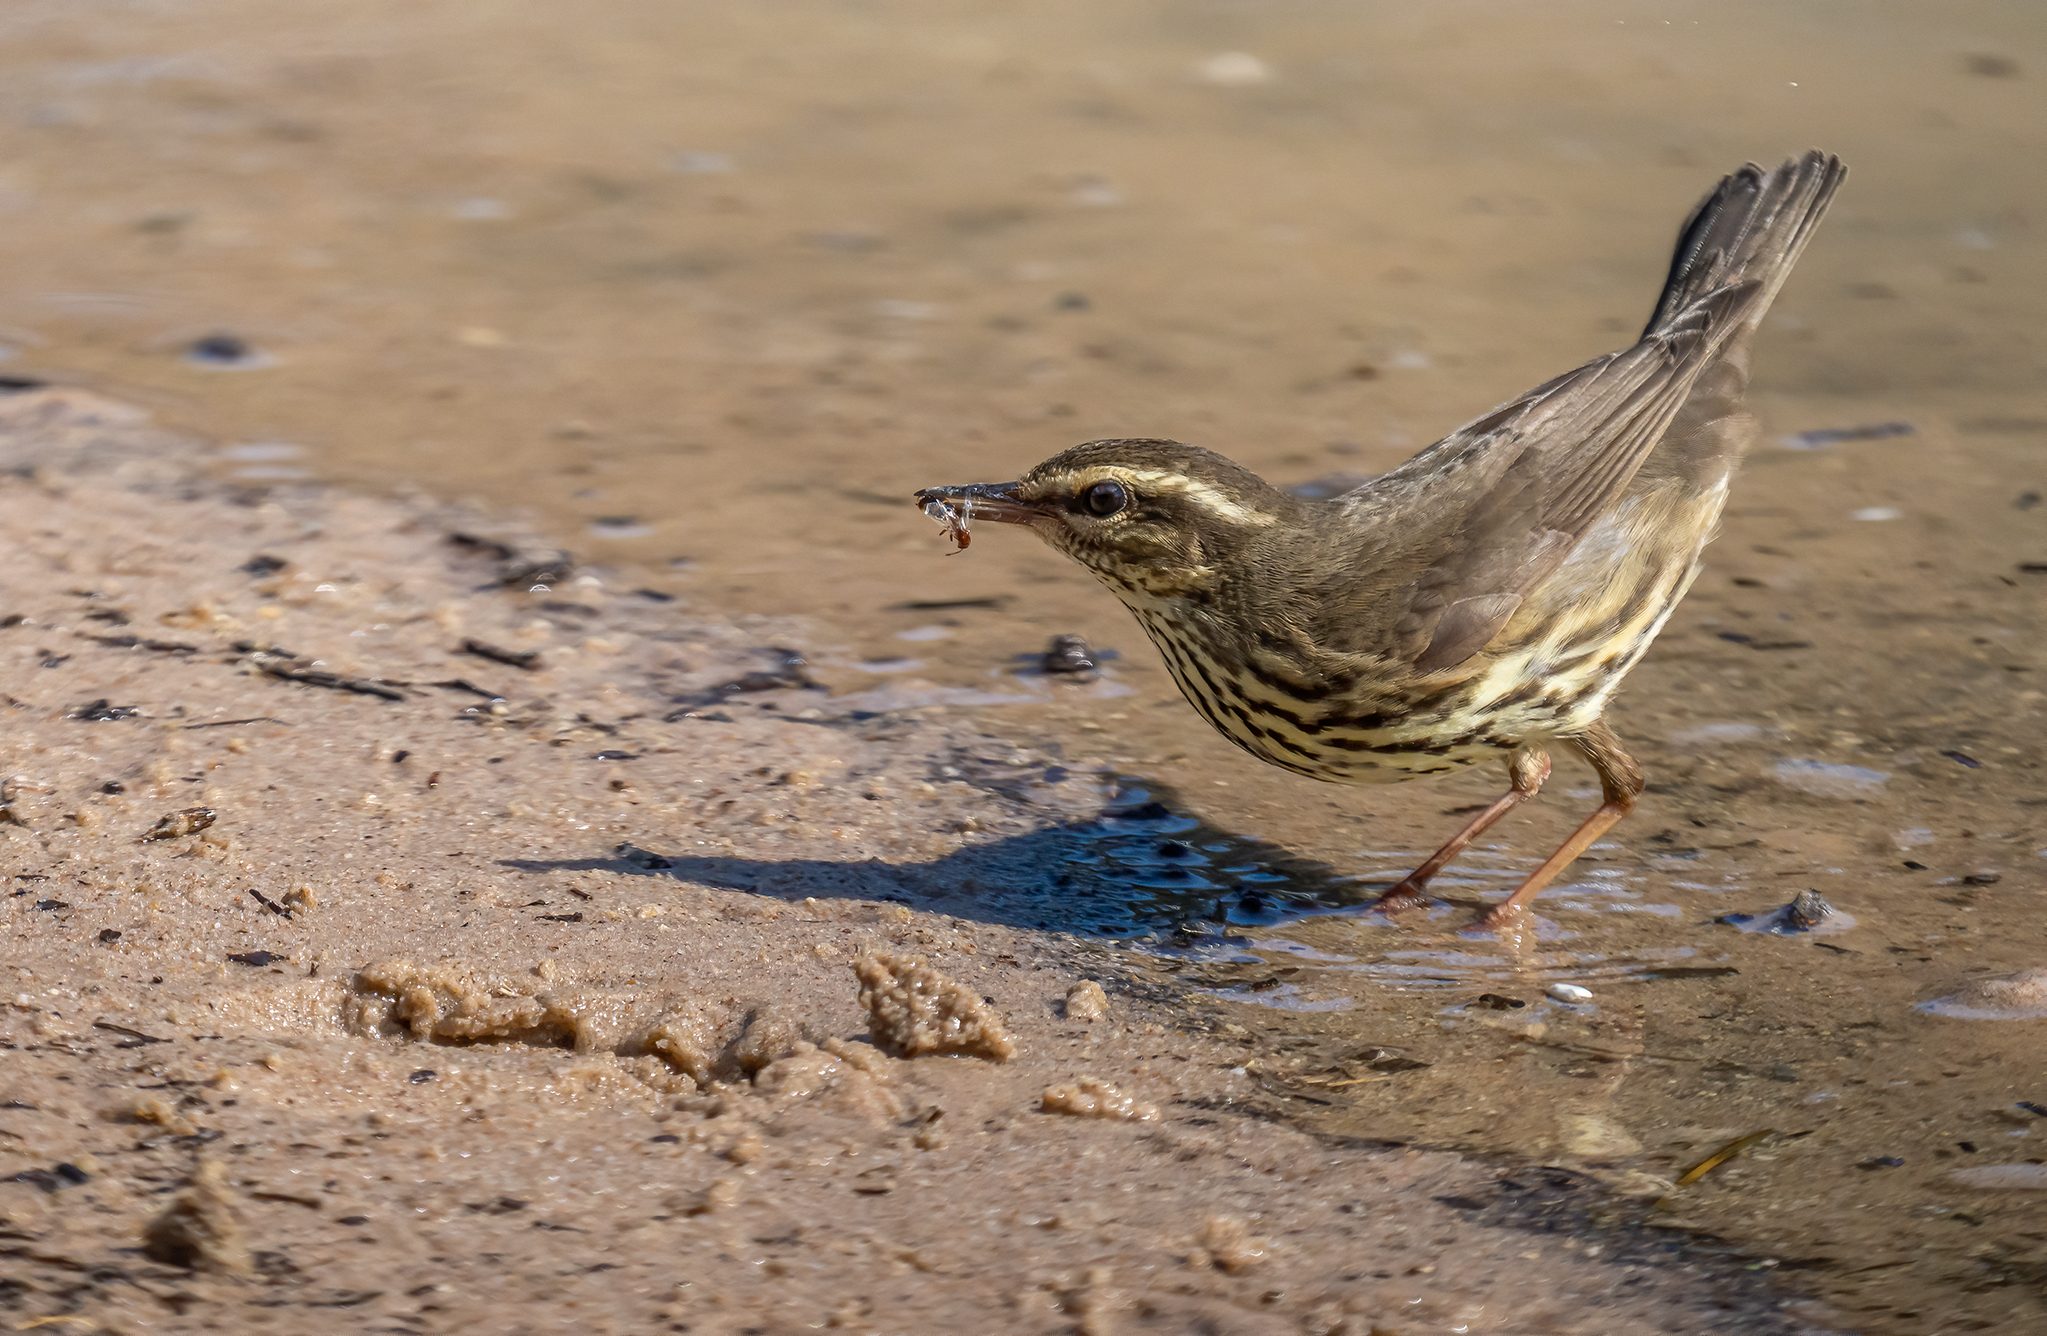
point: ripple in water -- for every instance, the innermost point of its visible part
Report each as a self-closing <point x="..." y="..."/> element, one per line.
<point x="1223" y="904"/>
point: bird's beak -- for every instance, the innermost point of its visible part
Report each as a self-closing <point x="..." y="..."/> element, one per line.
<point x="996" y="501"/>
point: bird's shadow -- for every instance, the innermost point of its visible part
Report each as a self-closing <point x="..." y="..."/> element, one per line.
<point x="1140" y="868"/>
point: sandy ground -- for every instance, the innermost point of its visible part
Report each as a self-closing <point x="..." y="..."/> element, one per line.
<point x="703" y="291"/>
<point x="532" y="1003"/>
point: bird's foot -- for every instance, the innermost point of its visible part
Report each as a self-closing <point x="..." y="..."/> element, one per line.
<point x="1497" y="918"/>
<point x="1408" y="894"/>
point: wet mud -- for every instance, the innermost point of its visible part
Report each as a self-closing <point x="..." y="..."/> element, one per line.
<point x="710" y="329"/>
<point x="572" y="1001"/>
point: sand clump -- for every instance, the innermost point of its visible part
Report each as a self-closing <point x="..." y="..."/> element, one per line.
<point x="155" y="1110"/>
<point x="762" y="1047"/>
<point x="687" y="1041"/>
<point x="767" y="1035"/>
<point x="457" y="1005"/>
<point x="201" y="1229"/>
<point x="722" y="1195"/>
<point x="454" y="1004"/>
<point x="1092" y="1098"/>
<point x="913" y="1010"/>
<point x="1228" y="1245"/>
<point x="1086" y="1002"/>
<point x="854" y="1078"/>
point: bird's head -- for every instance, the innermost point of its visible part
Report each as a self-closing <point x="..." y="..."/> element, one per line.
<point x="1153" y="520"/>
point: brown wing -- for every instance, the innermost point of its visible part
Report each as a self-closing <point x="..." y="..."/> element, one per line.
<point x="1484" y="514"/>
<point x="1462" y="532"/>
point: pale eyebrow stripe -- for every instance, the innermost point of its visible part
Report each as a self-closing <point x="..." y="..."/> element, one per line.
<point x="1201" y="494"/>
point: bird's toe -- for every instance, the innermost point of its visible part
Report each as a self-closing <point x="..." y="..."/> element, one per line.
<point x="1406" y="895"/>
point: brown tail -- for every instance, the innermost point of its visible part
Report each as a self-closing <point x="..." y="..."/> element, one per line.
<point x="1750" y="230"/>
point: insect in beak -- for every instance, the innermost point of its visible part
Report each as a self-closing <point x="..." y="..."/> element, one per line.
<point x="958" y="507"/>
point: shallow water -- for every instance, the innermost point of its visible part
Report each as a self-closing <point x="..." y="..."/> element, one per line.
<point x="712" y="289"/>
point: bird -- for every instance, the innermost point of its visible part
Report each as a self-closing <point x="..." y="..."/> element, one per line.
<point x="1484" y="599"/>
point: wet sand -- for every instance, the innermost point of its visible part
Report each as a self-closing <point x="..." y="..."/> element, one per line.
<point x="576" y="998"/>
<point x="705" y="294"/>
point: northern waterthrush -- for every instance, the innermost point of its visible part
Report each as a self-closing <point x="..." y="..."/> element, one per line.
<point x="1482" y="600"/>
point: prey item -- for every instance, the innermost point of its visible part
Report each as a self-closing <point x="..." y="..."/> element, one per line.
<point x="957" y="519"/>
<point x="1482" y="600"/>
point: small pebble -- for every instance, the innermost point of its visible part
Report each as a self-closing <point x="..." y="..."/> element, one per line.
<point x="1805" y="912"/>
<point x="180" y="824"/>
<point x="219" y="349"/>
<point x="102" y="710"/>
<point x="1808" y="909"/>
<point x="1068" y="655"/>
<point x="1569" y="992"/>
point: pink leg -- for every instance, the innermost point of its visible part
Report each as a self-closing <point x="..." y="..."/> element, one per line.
<point x="1620" y="779"/>
<point x="1526" y="770"/>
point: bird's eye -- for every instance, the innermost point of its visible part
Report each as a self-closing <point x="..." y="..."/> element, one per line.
<point x="1105" y="498"/>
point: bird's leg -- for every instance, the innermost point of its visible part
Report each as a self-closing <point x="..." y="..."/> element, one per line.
<point x="1527" y="768"/>
<point x="1620" y="780"/>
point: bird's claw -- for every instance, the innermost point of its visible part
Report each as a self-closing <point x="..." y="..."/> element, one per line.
<point x="1405" y="895"/>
